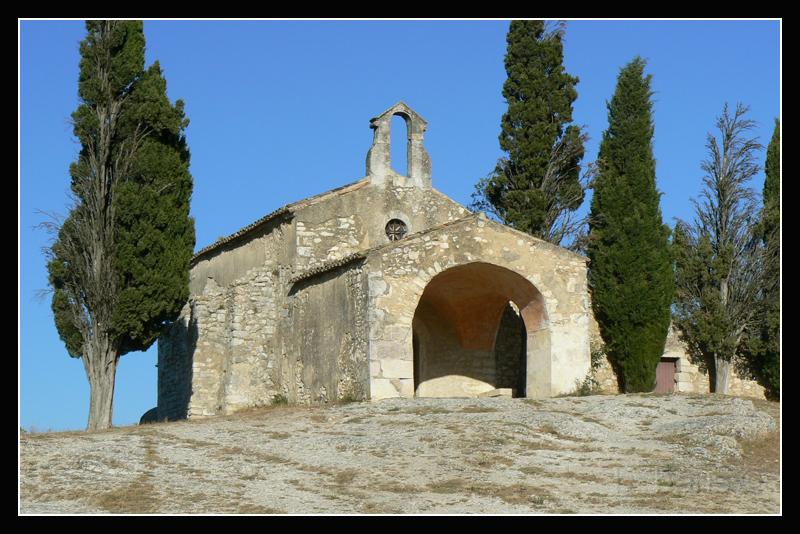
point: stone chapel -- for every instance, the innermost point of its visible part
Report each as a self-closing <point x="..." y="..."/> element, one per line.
<point x="381" y="288"/>
<point x="384" y="287"/>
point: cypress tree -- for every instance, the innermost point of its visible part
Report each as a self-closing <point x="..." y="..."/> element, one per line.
<point x="719" y="264"/>
<point x="764" y="347"/>
<point x="771" y="368"/>
<point x="538" y="183"/>
<point x="119" y="265"/>
<point x="630" y="272"/>
<point x="771" y="216"/>
<point x="155" y="233"/>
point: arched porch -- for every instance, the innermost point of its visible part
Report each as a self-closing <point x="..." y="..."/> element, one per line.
<point x="479" y="327"/>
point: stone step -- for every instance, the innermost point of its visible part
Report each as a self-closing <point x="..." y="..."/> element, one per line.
<point x="500" y="392"/>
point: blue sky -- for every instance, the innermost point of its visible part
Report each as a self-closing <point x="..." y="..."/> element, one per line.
<point x="280" y="110"/>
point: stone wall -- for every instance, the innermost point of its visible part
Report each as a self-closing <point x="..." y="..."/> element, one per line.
<point x="234" y="359"/>
<point x="253" y="341"/>
<point x="324" y="338"/>
<point x="606" y="378"/>
<point x="268" y="246"/>
<point x="356" y="218"/>
<point x="175" y="355"/>
<point x="444" y="368"/>
<point x="745" y="387"/>
<point x="228" y="327"/>
<point x="509" y="351"/>
<point x="689" y="378"/>
<point x="604" y="374"/>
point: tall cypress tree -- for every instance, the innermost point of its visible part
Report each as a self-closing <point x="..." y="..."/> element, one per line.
<point x="538" y="183"/>
<point x="630" y="273"/>
<point x="119" y="265"/>
<point x="764" y="346"/>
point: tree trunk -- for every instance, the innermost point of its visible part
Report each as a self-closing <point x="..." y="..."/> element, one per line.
<point x="101" y="371"/>
<point x="721" y="365"/>
<point x="721" y="373"/>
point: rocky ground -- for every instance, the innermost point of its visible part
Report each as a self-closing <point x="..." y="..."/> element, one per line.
<point x="601" y="454"/>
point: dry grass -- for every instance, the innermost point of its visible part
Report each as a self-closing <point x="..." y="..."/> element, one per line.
<point x="553" y="431"/>
<point x="162" y="468"/>
<point x="656" y="502"/>
<point x="345" y="477"/>
<point x="590" y="419"/>
<point x="427" y="410"/>
<point x="488" y="461"/>
<point x="574" y="475"/>
<point x="760" y="455"/>
<point x="251" y="508"/>
<point x="228" y="451"/>
<point x="519" y="494"/>
<point x="393" y="422"/>
<point x="139" y="495"/>
<point x="478" y="409"/>
<point x="539" y="445"/>
<point x="183" y="441"/>
<point x="251" y="412"/>
<point x="643" y="405"/>
<point x="395" y="487"/>
<point x="379" y="453"/>
<point x="357" y="419"/>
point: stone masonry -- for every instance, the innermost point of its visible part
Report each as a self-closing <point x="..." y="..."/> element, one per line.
<point x="689" y="378"/>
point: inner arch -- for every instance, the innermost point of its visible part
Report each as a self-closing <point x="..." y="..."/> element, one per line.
<point x="473" y="329"/>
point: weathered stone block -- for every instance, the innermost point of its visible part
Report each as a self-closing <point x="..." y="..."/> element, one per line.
<point x="393" y="368"/>
<point x="382" y="388"/>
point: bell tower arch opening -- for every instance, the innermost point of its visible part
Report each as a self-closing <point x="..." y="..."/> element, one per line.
<point x="479" y="327"/>
<point x="399" y="149"/>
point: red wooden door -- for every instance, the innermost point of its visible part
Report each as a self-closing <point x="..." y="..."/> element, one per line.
<point x="665" y="377"/>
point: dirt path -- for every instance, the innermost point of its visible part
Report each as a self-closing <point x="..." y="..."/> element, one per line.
<point x="604" y="454"/>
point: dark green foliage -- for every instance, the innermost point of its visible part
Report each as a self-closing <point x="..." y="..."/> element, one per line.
<point x="540" y="179"/>
<point x="155" y="234"/>
<point x="699" y="313"/>
<point x="125" y="50"/>
<point x="630" y="272"/>
<point x="132" y="188"/>
<point x="764" y="345"/>
<point x="58" y="278"/>
<point x="772" y="188"/>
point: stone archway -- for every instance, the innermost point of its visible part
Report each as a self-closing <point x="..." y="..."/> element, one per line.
<point x="469" y="327"/>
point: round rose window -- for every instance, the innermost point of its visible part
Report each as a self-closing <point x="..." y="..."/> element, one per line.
<point x="396" y="229"/>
